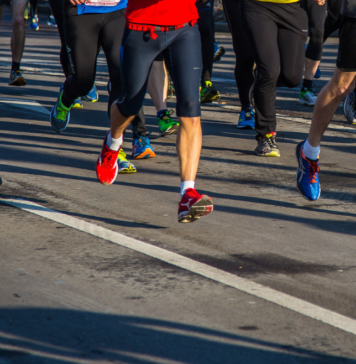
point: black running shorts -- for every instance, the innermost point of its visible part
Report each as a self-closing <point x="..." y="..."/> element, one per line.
<point x="346" y="57"/>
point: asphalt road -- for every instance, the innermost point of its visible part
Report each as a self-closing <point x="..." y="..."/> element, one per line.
<point x="70" y="296"/>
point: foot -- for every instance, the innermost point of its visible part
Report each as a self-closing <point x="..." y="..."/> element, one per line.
<point x="247" y="119"/>
<point x="77" y="104"/>
<point x="60" y="115"/>
<point x="193" y="205"/>
<point x="218" y="52"/>
<point x="141" y="148"/>
<point x="166" y="124"/>
<point x="16" y="79"/>
<point x="307" y="175"/>
<point x="208" y="93"/>
<point x="266" y="145"/>
<point x="307" y="97"/>
<point x="350" y="107"/>
<point x="92" y="96"/>
<point x="107" y="165"/>
<point x="34" y="24"/>
<point x="125" y="166"/>
<point x="51" y="21"/>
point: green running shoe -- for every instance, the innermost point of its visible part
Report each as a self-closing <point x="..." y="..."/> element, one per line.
<point x="166" y="124"/>
<point x="60" y="115"/>
<point x="209" y="93"/>
<point x="125" y="166"/>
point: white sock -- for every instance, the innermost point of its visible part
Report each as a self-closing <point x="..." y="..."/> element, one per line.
<point x="311" y="152"/>
<point x="185" y="185"/>
<point x="114" y="144"/>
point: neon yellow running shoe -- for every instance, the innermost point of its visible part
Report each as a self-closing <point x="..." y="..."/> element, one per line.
<point x="209" y="93"/>
<point x="125" y="166"/>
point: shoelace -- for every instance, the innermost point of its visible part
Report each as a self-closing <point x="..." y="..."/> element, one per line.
<point x="108" y="160"/>
<point x="314" y="169"/>
<point x="61" y="113"/>
<point x="166" y="115"/>
<point x="143" y="141"/>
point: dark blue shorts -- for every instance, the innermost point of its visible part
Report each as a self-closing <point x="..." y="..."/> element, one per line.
<point x="181" y="49"/>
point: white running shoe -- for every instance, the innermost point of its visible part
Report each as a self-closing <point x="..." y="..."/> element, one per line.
<point x="307" y="97"/>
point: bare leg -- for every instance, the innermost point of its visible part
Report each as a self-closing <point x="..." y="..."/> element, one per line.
<point x="310" y="68"/>
<point x="158" y="85"/>
<point x="189" y="143"/>
<point x="18" y="29"/>
<point x="341" y="84"/>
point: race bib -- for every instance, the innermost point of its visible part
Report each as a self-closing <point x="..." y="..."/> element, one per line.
<point x="102" y="2"/>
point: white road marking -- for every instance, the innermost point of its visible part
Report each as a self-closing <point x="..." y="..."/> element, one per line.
<point x="292" y="303"/>
<point x="25" y="104"/>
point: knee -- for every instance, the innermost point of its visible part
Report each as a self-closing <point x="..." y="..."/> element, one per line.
<point x="292" y="80"/>
<point x="267" y="77"/>
<point x="18" y="22"/>
<point x="317" y="34"/>
<point x="188" y="107"/>
<point x="342" y="90"/>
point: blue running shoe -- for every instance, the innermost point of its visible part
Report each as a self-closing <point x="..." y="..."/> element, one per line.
<point x="34" y="24"/>
<point x="141" y="148"/>
<point x="307" y="175"/>
<point x="92" y="96"/>
<point x="247" y="119"/>
<point x="77" y="103"/>
<point x="218" y="52"/>
<point x="51" y="21"/>
<point x="60" y="115"/>
<point x="317" y="73"/>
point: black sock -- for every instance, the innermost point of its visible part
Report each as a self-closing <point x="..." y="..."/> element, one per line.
<point x="66" y="102"/>
<point x="307" y="84"/>
<point x="15" y="66"/>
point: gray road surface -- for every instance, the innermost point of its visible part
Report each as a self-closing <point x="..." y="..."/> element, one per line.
<point x="70" y="297"/>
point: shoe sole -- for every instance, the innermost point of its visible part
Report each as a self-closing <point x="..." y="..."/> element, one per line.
<point x="211" y="99"/>
<point x="305" y="103"/>
<point x="172" y="130"/>
<point x="77" y="106"/>
<point x="245" y="127"/>
<point x="201" y="208"/>
<point x="20" y="81"/>
<point x="127" y="171"/>
<point x="145" y="156"/>
<point x="296" y="178"/>
<point x="272" y="154"/>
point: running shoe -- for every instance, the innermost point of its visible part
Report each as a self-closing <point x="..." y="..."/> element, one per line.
<point x="218" y="52"/>
<point x="60" y="115"/>
<point x="125" y="166"/>
<point x="77" y="104"/>
<point x="247" y="119"/>
<point x="209" y="93"/>
<point x="266" y="145"/>
<point x="26" y="14"/>
<point x="166" y="124"/>
<point x="107" y="165"/>
<point x="51" y="21"/>
<point x="16" y="78"/>
<point x="307" y="175"/>
<point x="307" y="97"/>
<point x="141" y="148"/>
<point x="350" y="107"/>
<point x="92" y="96"/>
<point x="317" y="73"/>
<point x="34" y="24"/>
<point x="193" y="205"/>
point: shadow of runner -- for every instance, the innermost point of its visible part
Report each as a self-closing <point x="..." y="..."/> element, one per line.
<point x="42" y="335"/>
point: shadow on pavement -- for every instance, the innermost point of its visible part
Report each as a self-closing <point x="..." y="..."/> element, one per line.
<point x="42" y="335"/>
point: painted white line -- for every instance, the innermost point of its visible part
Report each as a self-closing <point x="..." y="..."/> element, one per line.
<point x="25" y="104"/>
<point x="292" y="303"/>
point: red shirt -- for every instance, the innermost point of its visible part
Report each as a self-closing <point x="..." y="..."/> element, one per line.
<point x="161" y="12"/>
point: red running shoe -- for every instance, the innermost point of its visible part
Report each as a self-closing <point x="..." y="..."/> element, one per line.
<point x="193" y="205"/>
<point x="106" y="166"/>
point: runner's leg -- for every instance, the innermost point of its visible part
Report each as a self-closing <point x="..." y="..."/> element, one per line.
<point x="244" y="61"/>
